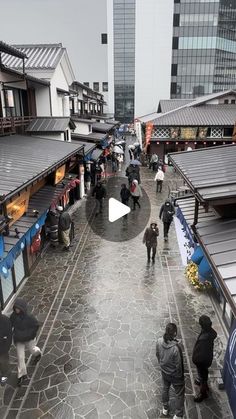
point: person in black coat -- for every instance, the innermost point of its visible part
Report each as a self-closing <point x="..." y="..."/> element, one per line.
<point x="166" y="214"/>
<point x="125" y="194"/>
<point x="5" y="344"/>
<point x="100" y="193"/>
<point x="25" y="327"/>
<point x="150" y="240"/>
<point x="203" y="355"/>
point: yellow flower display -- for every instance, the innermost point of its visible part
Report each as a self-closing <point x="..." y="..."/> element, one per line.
<point x="191" y="273"/>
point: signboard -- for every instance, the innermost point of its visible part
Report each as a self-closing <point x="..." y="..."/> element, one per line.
<point x="174" y="133"/>
<point x="202" y="133"/>
<point x="149" y="127"/>
<point x="188" y="133"/>
<point x="18" y="207"/>
<point x="229" y="371"/>
<point x="9" y="99"/>
<point x="59" y="174"/>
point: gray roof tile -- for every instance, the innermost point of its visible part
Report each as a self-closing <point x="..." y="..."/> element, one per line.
<point x="40" y="56"/>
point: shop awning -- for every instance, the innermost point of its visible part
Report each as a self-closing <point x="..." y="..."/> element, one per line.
<point x="28" y="225"/>
<point x="102" y="127"/>
<point x="96" y="154"/>
<point x="217" y="238"/>
<point x="210" y="173"/>
<point x="25" y="159"/>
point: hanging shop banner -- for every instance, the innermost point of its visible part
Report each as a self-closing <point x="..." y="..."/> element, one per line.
<point x="60" y="174"/>
<point x="234" y="133"/>
<point x="36" y="243"/>
<point x="1" y="246"/>
<point x="18" y="207"/>
<point x="174" y="133"/>
<point x="229" y="371"/>
<point x="149" y="127"/>
<point x="202" y="133"/>
<point x="188" y="133"/>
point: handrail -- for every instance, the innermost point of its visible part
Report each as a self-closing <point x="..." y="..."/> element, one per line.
<point x="9" y="124"/>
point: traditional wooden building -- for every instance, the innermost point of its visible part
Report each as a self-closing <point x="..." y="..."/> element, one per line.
<point x="179" y="123"/>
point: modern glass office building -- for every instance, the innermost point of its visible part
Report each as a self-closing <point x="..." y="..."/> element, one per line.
<point x="203" y="47"/>
<point x="124" y="59"/>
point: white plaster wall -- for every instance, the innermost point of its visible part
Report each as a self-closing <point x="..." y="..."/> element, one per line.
<point x="42" y="98"/>
<point x="154" y="27"/>
<point x="58" y="81"/>
<point x="82" y="128"/>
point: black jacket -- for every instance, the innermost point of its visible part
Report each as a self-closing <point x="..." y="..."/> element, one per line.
<point x="99" y="192"/>
<point x="64" y="221"/>
<point x="25" y="326"/>
<point x="125" y="195"/>
<point x="167" y="212"/>
<point x="203" y="348"/>
<point x="5" y="334"/>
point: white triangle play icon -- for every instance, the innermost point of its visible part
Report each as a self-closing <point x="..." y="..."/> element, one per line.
<point x="116" y="210"/>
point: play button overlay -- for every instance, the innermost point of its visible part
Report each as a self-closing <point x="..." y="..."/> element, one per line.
<point x="117" y="222"/>
<point x="116" y="210"/>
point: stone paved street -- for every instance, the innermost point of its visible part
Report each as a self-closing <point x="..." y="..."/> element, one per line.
<point x="102" y="309"/>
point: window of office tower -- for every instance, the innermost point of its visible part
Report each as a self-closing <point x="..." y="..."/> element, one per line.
<point x="124" y="58"/>
<point x="203" y="47"/>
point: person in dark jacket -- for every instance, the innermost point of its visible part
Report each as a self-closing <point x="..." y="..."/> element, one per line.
<point x="52" y="221"/>
<point x="25" y="327"/>
<point x="125" y="194"/>
<point x="5" y="344"/>
<point x="170" y="357"/>
<point x="203" y="355"/>
<point x="100" y="193"/>
<point x="166" y="214"/>
<point x="150" y="239"/>
<point x="64" y="226"/>
<point x="87" y="179"/>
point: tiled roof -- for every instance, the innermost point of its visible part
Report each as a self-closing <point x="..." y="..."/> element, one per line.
<point x="24" y="160"/>
<point x="40" y="56"/>
<point x="8" y="49"/>
<point x="210" y="173"/>
<point x="204" y="115"/>
<point x="169" y="105"/>
<point x="50" y="124"/>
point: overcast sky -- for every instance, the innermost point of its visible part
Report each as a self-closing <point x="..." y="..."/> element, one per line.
<point x="53" y="21"/>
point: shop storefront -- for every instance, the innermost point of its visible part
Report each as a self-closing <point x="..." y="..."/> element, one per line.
<point x="26" y="199"/>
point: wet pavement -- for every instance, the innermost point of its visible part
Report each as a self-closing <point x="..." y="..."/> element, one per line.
<point x="102" y="309"/>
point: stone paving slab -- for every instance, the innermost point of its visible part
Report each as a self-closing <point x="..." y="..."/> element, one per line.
<point x="102" y="309"/>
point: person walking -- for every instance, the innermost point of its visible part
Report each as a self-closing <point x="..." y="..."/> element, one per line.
<point x="25" y="327"/>
<point x="166" y="214"/>
<point x="125" y="194"/>
<point x="5" y="344"/>
<point x="136" y="193"/>
<point x="170" y="357"/>
<point x="100" y="193"/>
<point x="120" y="160"/>
<point x="87" y="180"/>
<point x="64" y="226"/>
<point x="159" y="179"/>
<point x="150" y="240"/>
<point x="154" y="162"/>
<point x="203" y="355"/>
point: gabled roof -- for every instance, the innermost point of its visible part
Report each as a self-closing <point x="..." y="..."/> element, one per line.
<point x="210" y="173"/>
<point x="24" y="159"/>
<point x="171" y="104"/>
<point x="204" y="115"/>
<point x="40" y="56"/>
<point x="8" y="49"/>
<point x="50" y="124"/>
